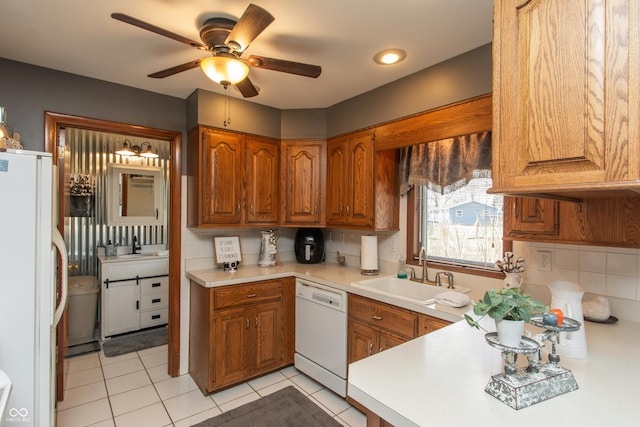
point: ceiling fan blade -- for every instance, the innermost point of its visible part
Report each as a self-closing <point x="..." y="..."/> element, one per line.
<point x="246" y="88"/>
<point x="252" y="22"/>
<point x="150" y="27"/>
<point x="175" y="70"/>
<point x="290" y="67"/>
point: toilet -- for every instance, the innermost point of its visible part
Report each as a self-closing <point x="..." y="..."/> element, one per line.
<point x="83" y="309"/>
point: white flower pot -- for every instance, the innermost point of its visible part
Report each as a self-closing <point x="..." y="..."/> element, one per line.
<point x="510" y="332"/>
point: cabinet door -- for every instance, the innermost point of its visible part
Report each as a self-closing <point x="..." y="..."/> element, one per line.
<point x="337" y="167"/>
<point x="263" y="182"/>
<point x="362" y="341"/>
<point x="360" y="181"/>
<point x="387" y="340"/>
<point x="267" y="337"/>
<point x="232" y="332"/>
<point x="304" y="183"/>
<point x="121" y="308"/>
<point x="222" y="178"/>
<point x="565" y="104"/>
<point x="524" y="215"/>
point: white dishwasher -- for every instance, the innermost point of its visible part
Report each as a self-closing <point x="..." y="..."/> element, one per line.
<point x="321" y="334"/>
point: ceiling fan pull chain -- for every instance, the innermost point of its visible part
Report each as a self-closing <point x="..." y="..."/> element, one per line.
<point x="227" y="107"/>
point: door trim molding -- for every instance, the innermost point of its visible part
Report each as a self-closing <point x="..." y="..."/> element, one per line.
<point x="54" y="121"/>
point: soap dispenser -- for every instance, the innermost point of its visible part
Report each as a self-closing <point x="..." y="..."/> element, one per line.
<point x="402" y="271"/>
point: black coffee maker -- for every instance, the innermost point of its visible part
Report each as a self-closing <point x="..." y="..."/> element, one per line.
<point x="309" y="246"/>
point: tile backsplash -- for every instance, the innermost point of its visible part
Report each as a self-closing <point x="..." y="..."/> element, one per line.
<point x="607" y="271"/>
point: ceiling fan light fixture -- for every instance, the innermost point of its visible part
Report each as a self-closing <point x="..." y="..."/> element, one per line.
<point x="224" y="70"/>
<point x="389" y="56"/>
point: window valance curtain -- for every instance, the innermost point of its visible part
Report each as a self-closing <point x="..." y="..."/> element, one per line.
<point x="446" y="165"/>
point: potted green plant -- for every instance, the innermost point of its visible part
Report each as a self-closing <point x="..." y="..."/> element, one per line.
<point x="510" y="309"/>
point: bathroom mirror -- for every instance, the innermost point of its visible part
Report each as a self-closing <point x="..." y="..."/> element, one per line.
<point x="135" y="195"/>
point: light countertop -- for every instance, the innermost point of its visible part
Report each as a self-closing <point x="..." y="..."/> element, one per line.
<point x="439" y="379"/>
<point x="333" y="275"/>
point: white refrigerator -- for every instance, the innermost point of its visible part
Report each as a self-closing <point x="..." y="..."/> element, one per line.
<point x="29" y="245"/>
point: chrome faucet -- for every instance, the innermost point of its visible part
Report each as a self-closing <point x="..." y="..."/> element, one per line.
<point x="422" y="260"/>
<point x="136" y="246"/>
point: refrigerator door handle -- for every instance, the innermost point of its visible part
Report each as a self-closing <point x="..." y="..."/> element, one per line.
<point x="58" y="242"/>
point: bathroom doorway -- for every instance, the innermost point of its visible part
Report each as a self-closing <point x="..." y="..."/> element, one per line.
<point x="54" y="126"/>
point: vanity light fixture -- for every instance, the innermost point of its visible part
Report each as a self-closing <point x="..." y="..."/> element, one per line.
<point x="225" y="69"/>
<point x="128" y="149"/>
<point x="389" y="56"/>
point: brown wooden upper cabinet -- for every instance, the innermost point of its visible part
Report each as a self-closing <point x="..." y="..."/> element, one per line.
<point x="566" y="96"/>
<point x="527" y="217"/>
<point x="350" y="194"/>
<point x="232" y="179"/>
<point x="362" y="184"/>
<point x="303" y="182"/>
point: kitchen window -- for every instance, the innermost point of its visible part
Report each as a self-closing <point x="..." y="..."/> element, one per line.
<point x="449" y="211"/>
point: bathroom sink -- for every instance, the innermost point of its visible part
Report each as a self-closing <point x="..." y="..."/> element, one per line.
<point x="404" y="289"/>
<point x="136" y="255"/>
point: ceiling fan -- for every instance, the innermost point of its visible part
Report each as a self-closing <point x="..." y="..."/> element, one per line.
<point x="227" y="40"/>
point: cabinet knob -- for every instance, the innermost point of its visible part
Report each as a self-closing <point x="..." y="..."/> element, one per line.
<point x="247" y="323"/>
<point x="376" y="317"/>
<point x="371" y="349"/>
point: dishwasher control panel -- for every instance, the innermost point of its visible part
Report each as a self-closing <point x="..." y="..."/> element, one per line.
<point x="321" y="294"/>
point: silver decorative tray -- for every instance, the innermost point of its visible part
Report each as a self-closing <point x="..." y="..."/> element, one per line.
<point x="568" y="324"/>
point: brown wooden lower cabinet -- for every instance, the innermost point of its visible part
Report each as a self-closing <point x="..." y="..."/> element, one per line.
<point x="376" y="326"/>
<point x="239" y="332"/>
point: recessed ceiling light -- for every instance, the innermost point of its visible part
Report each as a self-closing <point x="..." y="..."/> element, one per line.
<point x="389" y="56"/>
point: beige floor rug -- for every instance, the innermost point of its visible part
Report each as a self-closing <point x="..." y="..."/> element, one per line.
<point x="286" y="407"/>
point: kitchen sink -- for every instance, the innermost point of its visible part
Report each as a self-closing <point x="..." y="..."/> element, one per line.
<point x="405" y="289"/>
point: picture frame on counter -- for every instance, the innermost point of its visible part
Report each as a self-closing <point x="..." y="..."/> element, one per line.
<point x="227" y="252"/>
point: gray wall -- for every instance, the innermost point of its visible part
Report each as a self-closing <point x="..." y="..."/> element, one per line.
<point x="462" y="77"/>
<point x="246" y="116"/>
<point x="27" y="92"/>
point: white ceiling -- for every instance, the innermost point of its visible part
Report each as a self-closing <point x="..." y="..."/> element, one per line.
<point x="341" y="36"/>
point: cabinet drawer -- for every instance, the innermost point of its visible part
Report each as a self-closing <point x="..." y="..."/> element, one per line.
<point x="230" y="296"/>
<point x="154" y="301"/>
<point x="153" y="318"/>
<point x="154" y="285"/>
<point x="396" y="320"/>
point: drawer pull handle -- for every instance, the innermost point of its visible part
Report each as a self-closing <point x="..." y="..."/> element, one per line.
<point x="370" y="349"/>
<point x="156" y="300"/>
<point x="156" y="285"/>
<point x="376" y="317"/>
<point x="252" y="295"/>
<point x="137" y="305"/>
<point x="247" y="323"/>
<point x="155" y="316"/>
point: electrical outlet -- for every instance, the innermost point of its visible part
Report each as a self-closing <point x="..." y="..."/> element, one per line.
<point x="394" y="244"/>
<point x="544" y="260"/>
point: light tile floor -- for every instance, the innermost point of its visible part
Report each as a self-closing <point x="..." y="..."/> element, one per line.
<point x="135" y="390"/>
